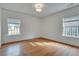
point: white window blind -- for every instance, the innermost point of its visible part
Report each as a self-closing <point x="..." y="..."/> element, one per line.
<point x="13" y="26"/>
<point x="71" y="27"/>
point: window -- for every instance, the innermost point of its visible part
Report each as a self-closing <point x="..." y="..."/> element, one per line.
<point x="13" y="26"/>
<point x="71" y="27"/>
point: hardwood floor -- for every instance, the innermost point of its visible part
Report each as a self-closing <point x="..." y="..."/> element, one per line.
<point x="38" y="47"/>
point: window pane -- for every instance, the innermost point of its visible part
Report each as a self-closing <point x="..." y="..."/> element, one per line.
<point x="13" y="29"/>
<point x="71" y="27"/>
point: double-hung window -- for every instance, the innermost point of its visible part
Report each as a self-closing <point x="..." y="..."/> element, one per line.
<point x="13" y="26"/>
<point x="71" y="27"/>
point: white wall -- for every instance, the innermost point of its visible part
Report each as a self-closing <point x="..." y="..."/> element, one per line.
<point x="30" y="26"/>
<point x="52" y="26"/>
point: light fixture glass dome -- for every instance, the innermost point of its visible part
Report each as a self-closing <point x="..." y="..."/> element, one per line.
<point x="39" y="7"/>
<point x="38" y="10"/>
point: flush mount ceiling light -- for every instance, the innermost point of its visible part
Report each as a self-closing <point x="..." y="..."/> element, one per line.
<point x="39" y="7"/>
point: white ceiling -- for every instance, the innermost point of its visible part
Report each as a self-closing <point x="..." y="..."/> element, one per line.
<point x="28" y="8"/>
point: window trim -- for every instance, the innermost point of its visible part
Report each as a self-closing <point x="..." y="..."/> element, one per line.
<point x="14" y="23"/>
<point x="72" y="19"/>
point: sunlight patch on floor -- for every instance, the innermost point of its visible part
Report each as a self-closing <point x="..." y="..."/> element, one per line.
<point x="32" y="44"/>
<point x="40" y="43"/>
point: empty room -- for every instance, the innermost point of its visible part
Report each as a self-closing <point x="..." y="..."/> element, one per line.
<point x="39" y="29"/>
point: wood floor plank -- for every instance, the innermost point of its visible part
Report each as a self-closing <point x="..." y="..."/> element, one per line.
<point x="38" y="47"/>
